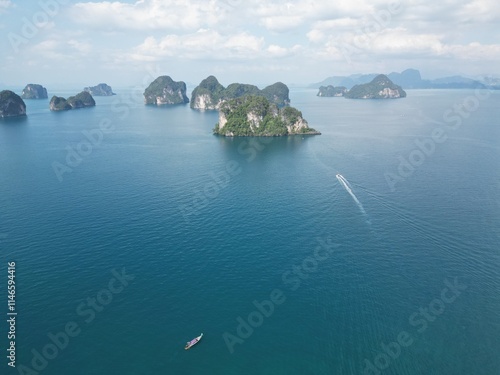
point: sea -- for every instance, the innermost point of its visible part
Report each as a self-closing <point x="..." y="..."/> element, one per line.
<point x="372" y="248"/>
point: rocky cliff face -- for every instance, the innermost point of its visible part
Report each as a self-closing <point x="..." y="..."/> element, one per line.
<point x="205" y="102"/>
<point x="257" y="116"/>
<point x="81" y="100"/>
<point x="34" y="91"/>
<point x="101" y="89"/>
<point x="388" y="93"/>
<point x="331" y="91"/>
<point x="11" y="104"/>
<point x="210" y="94"/>
<point x="380" y="88"/>
<point x="277" y="93"/>
<point x="58" y="103"/>
<point x="164" y="90"/>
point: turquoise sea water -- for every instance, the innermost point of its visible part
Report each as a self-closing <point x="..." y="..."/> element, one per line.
<point x="206" y="225"/>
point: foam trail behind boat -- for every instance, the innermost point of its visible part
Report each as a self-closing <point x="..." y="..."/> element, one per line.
<point x="346" y="182"/>
<point x="347" y="187"/>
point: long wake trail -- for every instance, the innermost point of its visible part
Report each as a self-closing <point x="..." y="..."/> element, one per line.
<point x="347" y="187"/>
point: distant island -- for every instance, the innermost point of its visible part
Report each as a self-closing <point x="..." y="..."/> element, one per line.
<point x="34" y="91"/>
<point x="381" y="87"/>
<point x="331" y="91"/>
<point x="81" y="100"/>
<point x="101" y="89"/>
<point x="11" y="104"/>
<point x="210" y="94"/>
<point x="411" y="79"/>
<point x="257" y="116"/>
<point x="164" y="90"/>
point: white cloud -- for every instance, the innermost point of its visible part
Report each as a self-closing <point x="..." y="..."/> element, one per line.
<point x="275" y="51"/>
<point x="148" y="15"/>
<point x="4" y="5"/>
<point x="401" y="43"/>
<point x="60" y="49"/>
<point x="258" y="34"/>
<point x="203" y="44"/>
<point x="480" y="11"/>
<point x="285" y="16"/>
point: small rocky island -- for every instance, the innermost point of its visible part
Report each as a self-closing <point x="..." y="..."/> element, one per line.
<point x="164" y="90"/>
<point x="34" y="91"/>
<point x="101" y="89"/>
<point x="331" y="91"/>
<point x="81" y="100"/>
<point x="210" y="94"/>
<point x="381" y="87"/>
<point x="257" y="116"/>
<point x="11" y="104"/>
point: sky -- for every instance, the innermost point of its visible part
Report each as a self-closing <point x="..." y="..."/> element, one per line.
<point x="126" y="43"/>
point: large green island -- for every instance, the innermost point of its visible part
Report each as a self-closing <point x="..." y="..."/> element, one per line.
<point x="257" y="116"/>
<point x="210" y="94"/>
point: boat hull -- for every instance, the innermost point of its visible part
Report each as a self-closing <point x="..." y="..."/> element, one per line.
<point x="193" y="342"/>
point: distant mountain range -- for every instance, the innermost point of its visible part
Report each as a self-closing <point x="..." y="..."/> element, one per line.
<point x="411" y="79"/>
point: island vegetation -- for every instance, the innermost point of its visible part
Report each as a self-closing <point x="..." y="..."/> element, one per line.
<point x="381" y="87"/>
<point x="411" y="79"/>
<point x="11" y="104"/>
<point x="257" y="116"/>
<point x="210" y="94"/>
<point x="164" y="90"/>
<point x="331" y="91"/>
<point x="101" y="89"/>
<point x="34" y="91"/>
<point x="81" y="100"/>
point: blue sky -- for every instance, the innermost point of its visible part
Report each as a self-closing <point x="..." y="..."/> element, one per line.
<point x="64" y="42"/>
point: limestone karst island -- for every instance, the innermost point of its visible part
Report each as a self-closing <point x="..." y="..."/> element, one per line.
<point x="381" y="87"/>
<point x="101" y="89"/>
<point x="34" y="91"/>
<point x="164" y="90"/>
<point x="244" y="109"/>
<point x="210" y="94"/>
<point x="81" y="100"/>
<point x="257" y="116"/>
<point x="11" y="104"/>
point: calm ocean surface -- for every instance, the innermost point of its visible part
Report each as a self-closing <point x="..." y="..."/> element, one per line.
<point x="155" y="198"/>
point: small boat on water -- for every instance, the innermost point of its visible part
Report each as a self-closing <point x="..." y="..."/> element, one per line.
<point x="193" y="342"/>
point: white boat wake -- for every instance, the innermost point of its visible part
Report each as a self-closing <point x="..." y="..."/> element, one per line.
<point x="348" y="188"/>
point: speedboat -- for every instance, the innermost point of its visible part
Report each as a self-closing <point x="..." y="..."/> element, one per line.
<point x="193" y="342"/>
